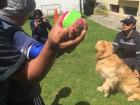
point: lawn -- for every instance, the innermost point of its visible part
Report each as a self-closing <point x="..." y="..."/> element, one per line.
<point x="73" y="80"/>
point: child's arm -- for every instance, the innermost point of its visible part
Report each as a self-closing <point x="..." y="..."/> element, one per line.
<point x="27" y="45"/>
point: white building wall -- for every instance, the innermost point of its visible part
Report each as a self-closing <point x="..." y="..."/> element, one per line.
<point x="65" y="5"/>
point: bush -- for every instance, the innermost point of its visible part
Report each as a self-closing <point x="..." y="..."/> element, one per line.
<point x="101" y="12"/>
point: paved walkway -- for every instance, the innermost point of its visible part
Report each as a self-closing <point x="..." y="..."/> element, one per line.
<point x="110" y="21"/>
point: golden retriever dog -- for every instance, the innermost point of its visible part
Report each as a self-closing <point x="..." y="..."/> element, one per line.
<point x="115" y="73"/>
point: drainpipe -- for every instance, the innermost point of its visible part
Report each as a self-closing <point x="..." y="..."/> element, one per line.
<point x="80" y="1"/>
<point x="138" y="14"/>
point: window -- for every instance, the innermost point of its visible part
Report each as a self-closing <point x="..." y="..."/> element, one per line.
<point x="130" y="10"/>
<point x="114" y="8"/>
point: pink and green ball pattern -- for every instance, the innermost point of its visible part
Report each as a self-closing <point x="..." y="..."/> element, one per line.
<point x="69" y="18"/>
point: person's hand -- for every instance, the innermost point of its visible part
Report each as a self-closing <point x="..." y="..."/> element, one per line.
<point x="60" y="37"/>
<point x="76" y="28"/>
<point x="137" y="74"/>
<point x="36" y="23"/>
<point x="44" y="19"/>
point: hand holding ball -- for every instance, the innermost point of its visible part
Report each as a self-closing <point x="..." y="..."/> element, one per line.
<point x="73" y="20"/>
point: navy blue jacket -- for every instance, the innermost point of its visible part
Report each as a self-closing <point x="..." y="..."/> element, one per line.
<point x="40" y="33"/>
<point x="128" y="47"/>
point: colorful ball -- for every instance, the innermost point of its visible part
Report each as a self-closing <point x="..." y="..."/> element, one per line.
<point x="69" y="18"/>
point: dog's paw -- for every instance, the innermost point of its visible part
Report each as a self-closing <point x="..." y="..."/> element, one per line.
<point x="100" y="89"/>
<point x="106" y="95"/>
<point x="130" y="98"/>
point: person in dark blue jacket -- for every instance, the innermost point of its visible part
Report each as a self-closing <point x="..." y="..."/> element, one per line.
<point x="127" y="44"/>
<point x="40" y="26"/>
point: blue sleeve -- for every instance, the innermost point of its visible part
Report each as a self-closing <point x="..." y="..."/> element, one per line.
<point x="35" y="50"/>
<point x="27" y="45"/>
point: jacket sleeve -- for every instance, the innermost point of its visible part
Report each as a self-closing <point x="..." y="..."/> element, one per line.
<point x="33" y="28"/>
<point x="26" y="44"/>
<point x="116" y="43"/>
<point x="48" y="25"/>
<point x="137" y="64"/>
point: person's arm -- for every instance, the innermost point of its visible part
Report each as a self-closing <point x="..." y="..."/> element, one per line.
<point x="137" y="64"/>
<point x="48" y="25"/>
<point x="37" y="68"/>
<point x="26" y="44"/>
<point x="116" y="43"/>
<point x="32" y="26"/>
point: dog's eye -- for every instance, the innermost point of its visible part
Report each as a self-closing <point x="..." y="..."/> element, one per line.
<point x="95" y="50"/>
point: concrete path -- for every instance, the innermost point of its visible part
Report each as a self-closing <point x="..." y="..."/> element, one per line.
<point x="108" y="21"/>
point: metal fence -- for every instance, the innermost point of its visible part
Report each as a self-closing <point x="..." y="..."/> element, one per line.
<point x="49" y="9"/>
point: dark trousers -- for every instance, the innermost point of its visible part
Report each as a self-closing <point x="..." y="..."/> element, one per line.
<point x="36" y="101"/>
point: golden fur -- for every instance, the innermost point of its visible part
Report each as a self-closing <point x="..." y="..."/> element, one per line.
<point x="115" y="73"/>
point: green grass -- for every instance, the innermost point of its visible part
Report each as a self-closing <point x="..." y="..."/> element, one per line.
<point x="73" y="80"/>
<point x="27" y="28"/>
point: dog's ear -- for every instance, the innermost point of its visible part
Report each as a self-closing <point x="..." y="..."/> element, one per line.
<point x="103" y="48"/>
<point x="99" y="54"/>
<point x="99" y="49"/>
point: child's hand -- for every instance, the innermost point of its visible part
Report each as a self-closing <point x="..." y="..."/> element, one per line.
<point x="60" y="37"/>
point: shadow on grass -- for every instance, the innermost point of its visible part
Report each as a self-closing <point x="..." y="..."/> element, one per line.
<point x="63" y="93"/>
<point x="82" y="103"/>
